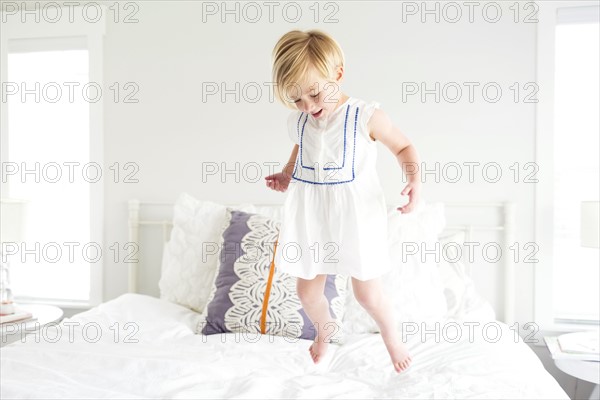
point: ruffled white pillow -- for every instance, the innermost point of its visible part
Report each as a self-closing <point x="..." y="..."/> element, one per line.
<point x="414" y="287"/>
<point x="463" y="300"/>
<point x="191" y="257"/>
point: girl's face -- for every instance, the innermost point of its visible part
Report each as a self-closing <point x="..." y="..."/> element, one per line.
<point x="318" y="96"/>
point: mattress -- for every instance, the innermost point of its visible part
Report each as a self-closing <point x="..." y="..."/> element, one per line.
<point x="138" y="346"/>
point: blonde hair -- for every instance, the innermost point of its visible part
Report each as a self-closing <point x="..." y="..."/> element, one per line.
<point x="296" y="53"/>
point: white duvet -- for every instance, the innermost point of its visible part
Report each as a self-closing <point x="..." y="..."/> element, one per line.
<point x="170" y="361"/>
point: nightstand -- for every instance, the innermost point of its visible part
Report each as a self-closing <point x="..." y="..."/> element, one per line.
<point x="45" y="314"/>
<point x="577" y="368"/>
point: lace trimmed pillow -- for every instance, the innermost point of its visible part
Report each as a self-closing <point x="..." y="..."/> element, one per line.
<point x="238" y="293"/>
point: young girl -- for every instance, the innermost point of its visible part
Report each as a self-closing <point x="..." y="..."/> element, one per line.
<point x="335" y="215"/>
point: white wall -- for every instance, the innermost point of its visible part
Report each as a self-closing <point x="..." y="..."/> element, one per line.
<point x="171" y="132"/>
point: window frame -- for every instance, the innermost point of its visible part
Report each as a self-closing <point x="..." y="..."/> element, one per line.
<point x="544" y="148"/>
<point x="93" y="33"/>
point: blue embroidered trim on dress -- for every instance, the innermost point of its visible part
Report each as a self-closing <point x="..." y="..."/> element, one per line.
<point x="301" y="134"/>
<point x="354" y="147"/>
<point x="300" y="138"/>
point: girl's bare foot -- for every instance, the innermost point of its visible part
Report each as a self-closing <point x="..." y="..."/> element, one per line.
<point x="399" y="355"/>
<point x="317" y="350"/>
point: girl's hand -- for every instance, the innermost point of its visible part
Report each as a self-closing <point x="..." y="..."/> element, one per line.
<point x="278" y="181"/>
<point x="413" y="190"/>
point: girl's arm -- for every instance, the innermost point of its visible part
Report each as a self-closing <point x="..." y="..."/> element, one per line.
<point x="381" y="128"/>
<point x="281" y="180"/>
<point x="288" y="168"/>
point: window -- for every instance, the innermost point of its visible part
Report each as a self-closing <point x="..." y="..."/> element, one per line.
<point x="577" y="166"/>
<point x="52" y="157"/>
<point x="48" y="136"/>
<point x="567" y="275"/>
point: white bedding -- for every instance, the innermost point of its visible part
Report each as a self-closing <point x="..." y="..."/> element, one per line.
<point x="170" y="361"/>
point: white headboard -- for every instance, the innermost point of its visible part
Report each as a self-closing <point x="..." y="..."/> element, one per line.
<point x="473" y="218"/>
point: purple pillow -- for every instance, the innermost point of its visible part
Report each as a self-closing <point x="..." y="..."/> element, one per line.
<point x="236" y="300"/>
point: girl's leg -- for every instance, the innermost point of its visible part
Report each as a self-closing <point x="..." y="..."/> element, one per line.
<point x="312" y="296"/>
<point x="372" y="297"/>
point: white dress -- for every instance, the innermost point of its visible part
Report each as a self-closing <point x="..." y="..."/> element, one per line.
<point x="334" y="216"/>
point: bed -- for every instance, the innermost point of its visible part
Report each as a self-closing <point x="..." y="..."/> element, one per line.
<point x="151" y="342"/>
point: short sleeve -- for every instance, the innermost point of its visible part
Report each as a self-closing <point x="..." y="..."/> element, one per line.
<point x="292" y="126"/>
<point x="365" y="116"/>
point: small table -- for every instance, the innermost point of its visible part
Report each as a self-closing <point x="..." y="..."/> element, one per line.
<point x="577" y="368"/>
<point x="45" y="314"/>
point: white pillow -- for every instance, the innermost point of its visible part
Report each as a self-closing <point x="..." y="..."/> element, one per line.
<point x="274" y="212"/>
<point x="415" y="287"/>
<point x="453" y="271"/>
<point x="463" y="300"/>
<point x="191" y="257"/>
